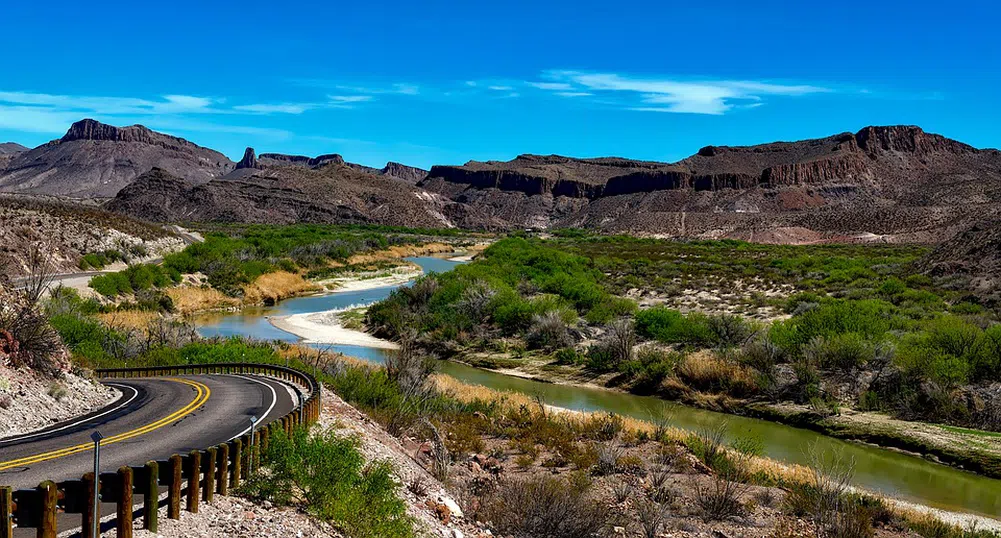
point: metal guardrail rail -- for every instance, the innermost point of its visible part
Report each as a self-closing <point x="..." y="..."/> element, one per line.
<point x="196" y="476"/>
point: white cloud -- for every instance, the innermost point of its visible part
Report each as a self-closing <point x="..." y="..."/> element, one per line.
<point x="406" y="89"/>
<point x="282" y="108"/>
<point x="664" y="94"/>
<point x="114" y="105"/>
<point x="500" y="88"/>
<point x="553" y="86"/>
<point x="350" y="98"/>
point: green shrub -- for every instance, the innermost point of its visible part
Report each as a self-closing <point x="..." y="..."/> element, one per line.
<point x="870" y="319"/>
<point x="327" y="475"/>
<point x="134" y="279"/>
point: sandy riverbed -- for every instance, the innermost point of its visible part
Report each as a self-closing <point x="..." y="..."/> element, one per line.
<point x="325" y="328"/>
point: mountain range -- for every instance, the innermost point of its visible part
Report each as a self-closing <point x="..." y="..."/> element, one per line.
<point x="882" y="183"/>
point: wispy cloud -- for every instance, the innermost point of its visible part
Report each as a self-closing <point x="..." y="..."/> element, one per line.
<point x="53" y="113"/>
<point x="397" y="88"/>
<point x="281" y="108"/>
<point x="671" y="94"/>
<point x="168" y="104"/>
<point x="553" y="86"/>
<point x="350" y="98"/>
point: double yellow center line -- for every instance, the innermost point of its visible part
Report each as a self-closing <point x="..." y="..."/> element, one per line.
<point x="201" y="397"/>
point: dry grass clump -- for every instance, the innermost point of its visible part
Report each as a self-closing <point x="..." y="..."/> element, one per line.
<point x="400" y="251"/>
<point x="708" y="372"/>
<point x="546" y="507"/>
<point x="190" y="299"/>
<point x="128" y="319"/>
<point x="270" y="288"/>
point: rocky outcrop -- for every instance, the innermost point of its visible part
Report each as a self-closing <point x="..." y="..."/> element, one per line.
<point x="409" y="174"/>
<point x="249" y="160"/>
<point x="94" y="160"/>
<point x="277" y="159"/>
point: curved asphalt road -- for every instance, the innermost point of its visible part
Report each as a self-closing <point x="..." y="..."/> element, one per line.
<point x="154" y="418"/>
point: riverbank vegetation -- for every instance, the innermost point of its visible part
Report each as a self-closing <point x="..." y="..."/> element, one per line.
<point x="255" y="264"/>
<point x="525" y="468"/>
<point x="722" y="324"/>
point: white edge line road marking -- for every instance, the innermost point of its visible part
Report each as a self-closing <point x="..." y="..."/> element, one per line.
<point x="274" y="401"/>
<point x="135" y="394"/>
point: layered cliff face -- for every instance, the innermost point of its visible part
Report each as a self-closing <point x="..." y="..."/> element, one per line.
<point x="881" y="183"/>
<point x="842" y="159"/>
<point x="94" y="160"/>
<point x="408" y="174"/>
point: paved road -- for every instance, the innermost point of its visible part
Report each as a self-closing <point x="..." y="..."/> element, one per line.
<point x="155" y="418"/>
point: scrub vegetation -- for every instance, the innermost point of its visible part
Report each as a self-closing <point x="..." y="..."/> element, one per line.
<point x="718" y="323"/>
<point x="254" y="263"/>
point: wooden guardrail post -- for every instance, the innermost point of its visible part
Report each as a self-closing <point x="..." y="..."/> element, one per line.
<point x="174" y="488"/>
<point x="6" y="512"/>
<point x="123" y="522"/>
<point x="194" y="485"/>
<point x="209" y="466"/>
<point x="223" y="486"/>
<point x="90" y="485"/>
<point x="248" y="450"/>
<point x="151" y="498"/>
<point x="50" y="496"/>
<point x="237" y="463"/>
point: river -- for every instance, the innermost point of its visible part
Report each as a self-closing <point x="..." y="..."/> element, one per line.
<point x="901" y="476"/>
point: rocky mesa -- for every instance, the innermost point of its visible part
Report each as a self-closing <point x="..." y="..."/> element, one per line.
<point x="95" y="160"/>
<point x="890" y="183"/>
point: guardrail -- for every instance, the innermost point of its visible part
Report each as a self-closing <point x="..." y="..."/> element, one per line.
<point x="196" y="477"/>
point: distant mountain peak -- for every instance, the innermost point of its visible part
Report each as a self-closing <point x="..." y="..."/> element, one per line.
<point x="7" y="148"/>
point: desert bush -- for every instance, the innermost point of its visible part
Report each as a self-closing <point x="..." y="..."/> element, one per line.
<point x="26" y="337"/>
<point x="548" y="331"/>
<point x="410" y="370"/>
<point x="567" y="356"/>
<point x="651" y="366"/>
<point x="545" y="507"/>
<point x="134" y="279"/>
<point x="827" y="501"/>
<point x="327" y="476"/>
<point x="609" y="455"/>
<point x="728" y="330"/>
<point x="98" y="260"/>
<point x="614" y="347"/>
<point x="670" y="326"/>
<point x="651" y="515"/>
<point x="847" y="353"/>
<point x="870" y="319"/>
<point x="719" y="497"/>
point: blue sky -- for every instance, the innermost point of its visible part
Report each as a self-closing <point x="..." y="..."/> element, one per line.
<point x="444" y="82"/>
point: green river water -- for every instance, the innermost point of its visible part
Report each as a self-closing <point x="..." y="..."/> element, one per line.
<point x="893" y="474"/>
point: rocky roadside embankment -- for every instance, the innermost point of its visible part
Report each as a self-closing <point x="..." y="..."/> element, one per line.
<point x="30" y="401"/>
